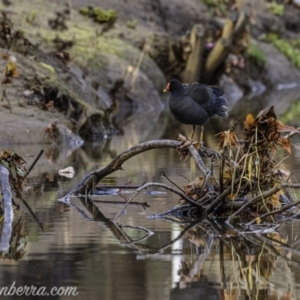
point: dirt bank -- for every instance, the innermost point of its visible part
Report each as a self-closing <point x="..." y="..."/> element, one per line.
<point x="75" y="75"/>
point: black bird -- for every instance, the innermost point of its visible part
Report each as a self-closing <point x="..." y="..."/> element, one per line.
<point x="195" y="104"/>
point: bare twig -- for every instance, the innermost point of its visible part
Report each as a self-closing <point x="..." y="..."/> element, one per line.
<point x="265" y="194"/>
<point x="287" y="136"/>
<point x="164" y="174"/>
<point x="274" y="212"/>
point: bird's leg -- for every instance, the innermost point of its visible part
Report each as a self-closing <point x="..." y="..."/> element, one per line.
<point x="201" y="136"/>
<point x="194" y="128"/>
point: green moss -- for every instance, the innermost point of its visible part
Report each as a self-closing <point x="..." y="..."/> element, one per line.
<point x="286" y="48"/>
<point x="276" y="8"/>
<point x="292" y="115"/>
<point x="255" y="54"/>
<point x="296" y="43"/>
<point x="132" y="24"/>
<point x="219" y="4"/>
<point x="30" y="18"/>
<point x="99" y="15"/>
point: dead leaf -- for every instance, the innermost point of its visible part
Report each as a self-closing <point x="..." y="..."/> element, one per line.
<point x="249" y="123"/>
<point x="190" y="189"/>
<point x="285" y="144"/>
<point x="275" y="200"/>
<point x="227" y="138"/>
<point x="285" y="128"/>
<point x="267" y="113"/>
<point x="10" y="70"/>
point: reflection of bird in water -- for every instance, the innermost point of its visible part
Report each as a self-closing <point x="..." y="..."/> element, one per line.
<point x="195" y="104"/>
<point x="123" y="106"/>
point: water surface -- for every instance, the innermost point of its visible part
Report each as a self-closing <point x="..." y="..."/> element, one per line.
<point x="140" y="257"/>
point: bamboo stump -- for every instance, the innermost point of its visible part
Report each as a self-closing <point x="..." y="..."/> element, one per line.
<point x="192" y="70"/>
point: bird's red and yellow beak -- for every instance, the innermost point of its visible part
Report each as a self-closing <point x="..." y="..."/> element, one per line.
<point x="167" y="88"/>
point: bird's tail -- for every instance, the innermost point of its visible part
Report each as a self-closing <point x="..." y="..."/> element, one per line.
<point x="221" y="108"/>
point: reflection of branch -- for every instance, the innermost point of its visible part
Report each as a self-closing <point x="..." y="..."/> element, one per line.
<point x="202" y="257"/>
<point x="92" y="179"/>
<point x="177" y="238"/>
<point x="81" y="212"/>
<point x="182" y="195"/>
<point x="148" y="233"/>
<point x="144" y="186"/>
<point x="30" y="210"/>
<point x="143" y="204"/>
<point x="98" y="216"/>
<point x="34" y="163"/>
<point x="277" y="243"/>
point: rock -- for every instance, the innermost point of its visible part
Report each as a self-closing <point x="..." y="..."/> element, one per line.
<point x="232" y="91"/>
<point x="278" y="71"/>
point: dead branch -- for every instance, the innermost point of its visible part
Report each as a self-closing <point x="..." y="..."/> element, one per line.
<point x="198" y="160"/>
<point x="92" y="179"/>
<point x="263" y="195"/>
<point x="275" y="212"/>
<point x="88" y="183"/>
<point x="220" y="198"/>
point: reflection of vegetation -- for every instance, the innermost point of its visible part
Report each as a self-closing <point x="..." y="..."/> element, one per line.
<point x="99" y="15"/>
<point x="256" y="55"/>
<point x="215" y="256"/>
<point x="286" y="48"/>
<point x="18" y="241"/>
<point x="276" y="8"/>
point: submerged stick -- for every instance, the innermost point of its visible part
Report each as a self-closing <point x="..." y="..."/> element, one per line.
<point x="144" y="186"/>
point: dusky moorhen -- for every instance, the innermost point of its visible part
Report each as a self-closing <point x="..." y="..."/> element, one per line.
<point x="195" y="104"/>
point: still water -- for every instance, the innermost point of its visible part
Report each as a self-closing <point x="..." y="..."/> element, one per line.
<point x="139" y="257"/>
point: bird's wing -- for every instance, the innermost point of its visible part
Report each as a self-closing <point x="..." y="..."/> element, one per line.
<point x="200" y="93"/>
<point x="216" y="90"/>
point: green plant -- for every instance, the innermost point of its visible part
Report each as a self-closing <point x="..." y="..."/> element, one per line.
<point x="255" y="54"/>
<point x="99" y="15"/>
<point x="286" y="48"/>
<point x="276" y="8"/>
<point x="30" y="18"/>
<point x="219" y="4"/>
<point x="132" y="24"/>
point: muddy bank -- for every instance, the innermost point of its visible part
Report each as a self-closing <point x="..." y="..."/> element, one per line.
<point x="76" y="76"/>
